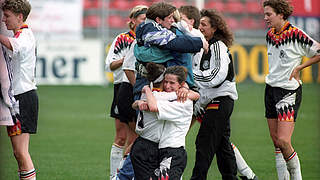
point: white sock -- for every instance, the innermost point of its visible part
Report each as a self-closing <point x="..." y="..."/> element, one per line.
<point x="27" y="175"/>
<point x="283" y="173"/>
<point x="115" y="158"/>
<point x="293" y="166"/>
<point x="242" y="166"/>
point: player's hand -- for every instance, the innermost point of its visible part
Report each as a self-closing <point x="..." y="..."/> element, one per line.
<point x="295" y="74"/>
<point x="182" y="94"/>
<point x="205" y="46"/>
<point x="145" y="88"/>
<point x="143" y="106"/>
<point x="198" y="111"/>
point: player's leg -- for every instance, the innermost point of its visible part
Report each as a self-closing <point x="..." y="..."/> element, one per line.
<point x="28" y="117"/>
<point x="285" y="130"/>
<point x="226" y="160"/>
<point x="116" y="153"/>
<point x="287" y="109"/>
<point x="117" y="148"/>
<point x="173" y="163"/>
<point x="242" y="166"/>
<point x="205" y="147"/>
<point x="127" y="114"/>
<point x="20" y="145"/>
<point x="145" y="159"/>
<point x="272" y="96"/>
<point x="131" y="136"/>
<point x="283" y="173"/>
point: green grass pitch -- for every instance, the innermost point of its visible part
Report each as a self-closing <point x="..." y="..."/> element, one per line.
<point x="75" y="134"/>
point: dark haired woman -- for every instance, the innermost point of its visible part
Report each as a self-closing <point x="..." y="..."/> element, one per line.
<point x="286" y="45"/>
<point x="214" y="76"/>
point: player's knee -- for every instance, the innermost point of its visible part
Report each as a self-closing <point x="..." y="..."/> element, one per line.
<point x="274" y="139"/>
<point x="282" y="142"/>
<point x="19" y="154"/>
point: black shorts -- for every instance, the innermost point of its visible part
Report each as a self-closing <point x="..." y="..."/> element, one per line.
<point x="177" y="163"/>
<point x="282" y="104"/>
<point x="114" y="112"/>
<point x="125" y="100"/>
<point x="145" y="159"/>
<point x="28" y="110"/>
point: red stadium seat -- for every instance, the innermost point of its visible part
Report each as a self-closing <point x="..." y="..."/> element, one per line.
<point x="122" y="5"/>
<point x="90" y="4"/>
<point x="115" y="21"/>
<point x="218" y="5"/>
<point x="91" y="21"/>
<point x="253" y="7"/>
<point x="233" y="23"/>
<point x="248" y="23"/>
<point x="140" y="2"/>
<point x="178" y="3"/>
<point x="234" y="7"/>
<point x="87" y="4"/>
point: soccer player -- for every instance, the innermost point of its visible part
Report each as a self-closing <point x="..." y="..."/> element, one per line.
<point x="122" y="89"/>
<point x="162" y="126"/>
<point x="283" y="93"/>
<point x="214" y="76"/>
<point x="23" y="49"/>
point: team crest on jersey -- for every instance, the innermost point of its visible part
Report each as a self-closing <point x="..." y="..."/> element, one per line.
<point x="205" y="65"/>
<point x="282" y="54"/>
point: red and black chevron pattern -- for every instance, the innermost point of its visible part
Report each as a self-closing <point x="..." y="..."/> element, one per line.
<point x="124" y="40"/>
<point x="288" y="34"/>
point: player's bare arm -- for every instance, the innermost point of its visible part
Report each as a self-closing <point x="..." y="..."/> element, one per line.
<point x="5" y="41"/>
<point x="116" y="64"/>
<point x="131" y="76"/>
<point x="296" y="71"/>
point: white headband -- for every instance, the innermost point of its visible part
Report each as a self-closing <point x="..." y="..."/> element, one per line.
<point x="159" y="79"/>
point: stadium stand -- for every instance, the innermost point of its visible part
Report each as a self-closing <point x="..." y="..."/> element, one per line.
<point x="122" y="5"/>
<point x="91" y="21"/>
<point x="218" y="5"/>
<point x="243" y="16"/>
<point x="116" y="21"/>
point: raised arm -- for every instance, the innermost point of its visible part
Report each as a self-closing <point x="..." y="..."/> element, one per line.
<point x="151" y="100"/>
<point x="4" y="40"/>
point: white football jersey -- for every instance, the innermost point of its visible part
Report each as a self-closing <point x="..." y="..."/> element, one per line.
<point x="148" y="126"/>
<point x="177" y="119"/>
<point x="285" y="52"/>
<point x="23" y="60"/>
<point x="118" y="50"/>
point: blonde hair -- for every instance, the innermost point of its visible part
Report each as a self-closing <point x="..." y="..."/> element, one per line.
<point x="135" y="12"/>
<point x="176" y="16"/>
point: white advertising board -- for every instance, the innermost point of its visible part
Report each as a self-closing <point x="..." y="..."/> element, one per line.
<point x="56" y="19"/>
<point x="70" y="63"/>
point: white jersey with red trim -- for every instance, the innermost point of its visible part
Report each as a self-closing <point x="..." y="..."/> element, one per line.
<point x="23" y="60"/>
<point x="285" y="52"/>
<point x="119" y="49"/>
